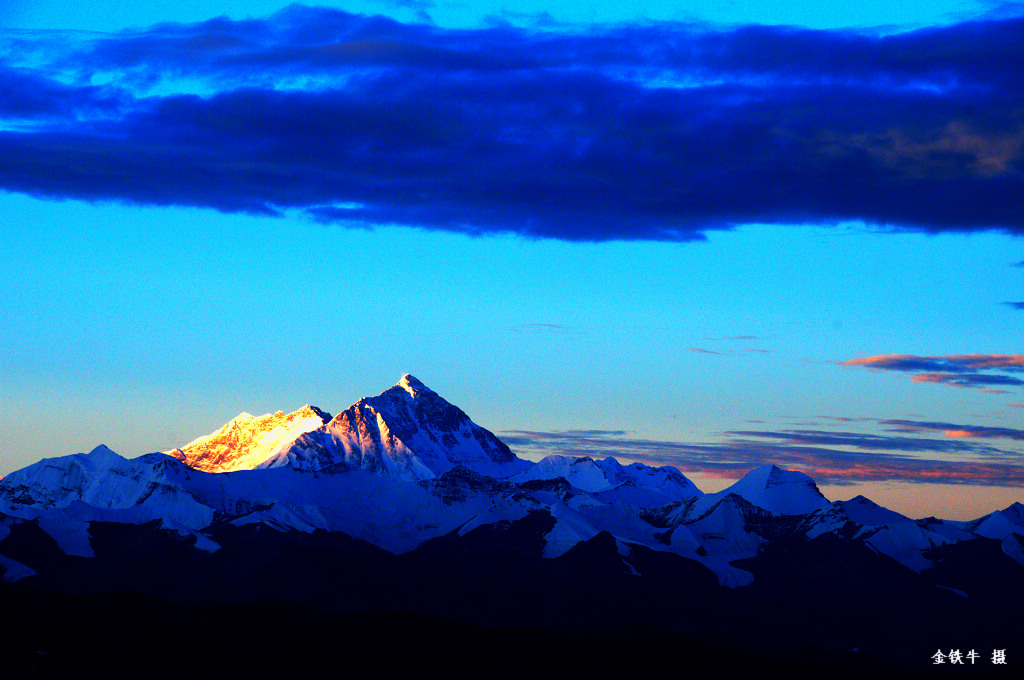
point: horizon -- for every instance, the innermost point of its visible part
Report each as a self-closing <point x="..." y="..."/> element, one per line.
<point x="706" y="237"/>
<point x="707" y="484"/>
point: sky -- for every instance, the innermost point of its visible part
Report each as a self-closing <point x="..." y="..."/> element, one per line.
<point x="708" y="235"/>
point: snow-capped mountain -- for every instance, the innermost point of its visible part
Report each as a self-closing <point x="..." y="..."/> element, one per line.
<point x="407" y="475"/>
<point x="609" y="480"/>
<point x="999" y="524"/>
<point x="248" y="442"/>
<point x="407" y="432"/>
<point x="865" y="511"/>
<point x="780" y="492"/>
<point x="406" y="466"/>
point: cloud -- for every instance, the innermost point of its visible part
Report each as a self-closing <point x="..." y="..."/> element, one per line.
<point x="1015" y="305"/>
<point x="734" y="337"/>
<point x="966" y="379"/>
<point x="729" y="351"/>
<point x="653" y="131"/>
<point x="958" y="431"/>
<point x="955" y="370"/>
<point x="878" y="458"/>
<point x="867" y="442"/>
<point x="846" y="419"/>
<point x="953" y="363"/>
<point x="703" y="351"/>
<point x="541" y="328"/>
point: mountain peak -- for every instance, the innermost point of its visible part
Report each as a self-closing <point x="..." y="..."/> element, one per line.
<point x="410" y="432"/>
<point x="406" y="432"/>
<point x="413" y="386"/>
<point x="863" y="510"/>
<point x="246" y="440"/>
<point x="311" y="410"/>
<point x="779" y="491"/>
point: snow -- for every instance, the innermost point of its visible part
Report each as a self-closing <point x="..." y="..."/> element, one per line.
<point x="200" y="540"/>
<point x="864" y="511"/>
<point x="953" y="590"/>
<point x="71" y="534"/>
<point x="1001" y="523"/>
<point x="624" y="552"/>
<point x="570" y="529"/>
<point x="14" y="571"/>
<point x="368" y="471"/>
<point x="780" y="492"/>
<point x="406" y="433"/>
<point x="723" y="533"/>
<point x="582" y="473"/>
<point x="609" y="481"/>
<point x="1013" y="548"/>
<point x="904" y="542"/>
<point x="413" y="386"/>
<point x="247" y="441"/>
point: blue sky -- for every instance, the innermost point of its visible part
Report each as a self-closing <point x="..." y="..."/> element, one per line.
<point x="710" y="236"/>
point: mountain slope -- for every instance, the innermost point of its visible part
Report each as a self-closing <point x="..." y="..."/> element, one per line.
<point x="247" y="441"/>
<point x="407" y="432"/>
<point x="403" y="494"/>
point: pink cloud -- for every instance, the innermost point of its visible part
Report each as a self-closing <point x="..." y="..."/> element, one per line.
<point x="935" y="378"/>
<point x="955" y="370"/>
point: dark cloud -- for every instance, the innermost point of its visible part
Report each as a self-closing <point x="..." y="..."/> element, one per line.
<point x="36" y="98"/>
<point x="659" y="131"/>
<point x="878" y="458"/>
<point x="955" y="370"/>
<point x="1015" y="305"/>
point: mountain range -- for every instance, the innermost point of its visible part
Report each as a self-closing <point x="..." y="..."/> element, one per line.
<point x="402" y="503"/>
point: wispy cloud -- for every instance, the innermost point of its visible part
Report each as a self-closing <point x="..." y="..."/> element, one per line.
<point x="734" y="337"/>
<point x="955" y="370"/>
<point x="953" y="363"/>
<point x="1015" y="305"/>
<point x="860" y="440"/>
<point x="728" y="339"/>
<point x="558" y="329"/>
<point x="654" y="131"/>
<point x="958" y="431"/>
<point x="875" y="458"/>
<point x="847" y="419"/>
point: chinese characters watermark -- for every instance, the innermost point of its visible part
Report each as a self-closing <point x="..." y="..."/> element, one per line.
<point x="955" y="656"/>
